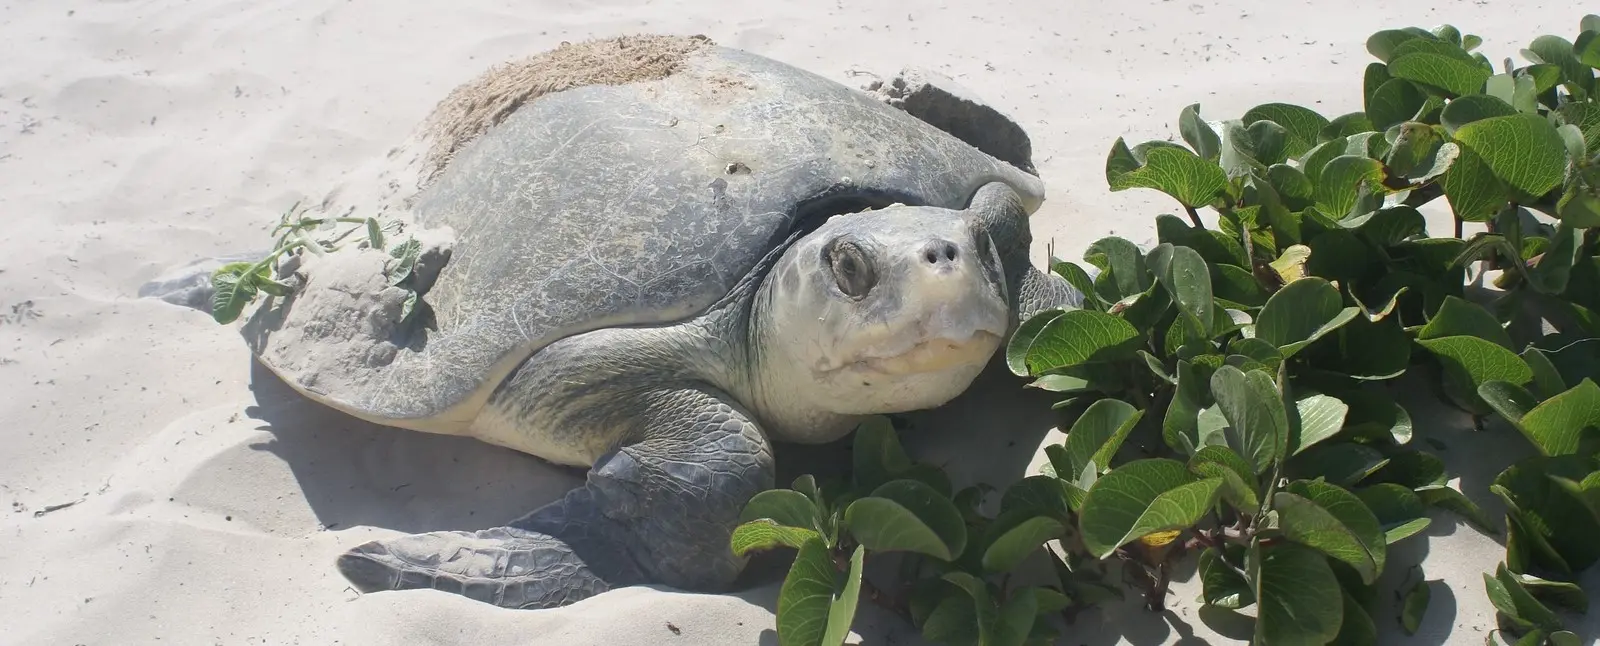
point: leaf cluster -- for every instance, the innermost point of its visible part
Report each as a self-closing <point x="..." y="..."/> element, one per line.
<point x="1257" y="354"/>
<point x="238" y="284"/>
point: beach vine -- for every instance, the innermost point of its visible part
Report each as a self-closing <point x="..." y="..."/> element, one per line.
<point x="237" y="285"/>
<point x="1255" y="355"/>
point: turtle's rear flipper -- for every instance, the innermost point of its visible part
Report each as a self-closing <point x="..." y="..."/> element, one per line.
<point x="503" y="566"/>
<point x="661" y="509"/>
<point x="190" y="285"/>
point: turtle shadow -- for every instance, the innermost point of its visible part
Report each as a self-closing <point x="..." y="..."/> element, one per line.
<point x="356" y="473"/>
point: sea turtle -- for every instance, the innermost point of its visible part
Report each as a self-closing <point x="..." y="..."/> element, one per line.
<point x="651" y="256"/>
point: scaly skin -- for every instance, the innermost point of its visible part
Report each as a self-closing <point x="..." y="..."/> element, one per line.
<point x="676" y="420"/>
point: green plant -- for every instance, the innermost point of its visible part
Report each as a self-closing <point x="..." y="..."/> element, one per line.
<point x="236" y="285"/>
<point x="956" y="560"/>
<point x="1256" y="353"/>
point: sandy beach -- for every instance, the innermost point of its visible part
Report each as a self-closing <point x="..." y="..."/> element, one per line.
<point x="206" y="502"/>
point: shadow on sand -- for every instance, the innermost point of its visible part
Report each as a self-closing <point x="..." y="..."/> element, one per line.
<point x="355" y="473"/>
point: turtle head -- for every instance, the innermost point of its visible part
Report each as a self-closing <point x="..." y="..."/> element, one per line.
<point x="884" y="311"/>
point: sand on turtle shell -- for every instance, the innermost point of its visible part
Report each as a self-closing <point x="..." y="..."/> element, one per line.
<point x="478" y="105"/>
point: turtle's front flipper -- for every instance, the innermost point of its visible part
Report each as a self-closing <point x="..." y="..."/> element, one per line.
<point x="660" y="509"/>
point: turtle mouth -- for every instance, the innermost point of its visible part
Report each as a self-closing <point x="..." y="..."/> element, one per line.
<point x="937" y="354"/>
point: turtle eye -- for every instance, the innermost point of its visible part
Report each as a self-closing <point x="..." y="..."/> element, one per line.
<point x="852" y="271"/>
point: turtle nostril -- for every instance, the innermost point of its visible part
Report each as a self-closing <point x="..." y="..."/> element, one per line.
<point x="940" y="252"/>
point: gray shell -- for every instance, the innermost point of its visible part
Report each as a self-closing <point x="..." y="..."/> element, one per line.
<point x="613" y="205"/>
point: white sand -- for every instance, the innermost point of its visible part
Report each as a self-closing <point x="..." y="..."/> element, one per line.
<point x="137" y="136"/>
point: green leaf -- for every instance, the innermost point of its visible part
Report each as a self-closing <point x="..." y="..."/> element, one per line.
<point x="1357" y="628"/>
<point x="1440" y="65"/>
<point x="1474" y="192"/>
<point x="1198" y="134"/>
<point x="877" y="455"/>
<point x="1526" y="607"/>
<point x="1376" y="417"/>
<point x="1344" y="464"/>
<point x="955" y="619"/>
<point x="1415" y="147"/>
<point x="1140" y="498"/>
<point x="1039" y="495"/>
<point x="1302" y="124"/>
<point x="1193" y="393"/>
<point x="1321" y="417"/>
<point x="1236" y="284"/>
<point x="1080" y="280"/>
<point x="1468" y="109"/>
<point x="765" y="534"/>
<point x="1081" y="336"/>
<point x="1333" y="521"/>
<point x="1372" y="350"/>
<point x="785" y="507"/>
<point x="1413" y="469"/>
<point x="1562" y="593"/>
<point x="1394" y="101"/>
<point x="1390" y="226"/>
<point x="1556" y="426"/>
<point x="1460" y="317"/>
<point x="1385" y="44"/>
<point x="1572" y="136"/>
<point x="987" y="611"/>
<point x="1239" y="480"/>
<point x="1220" y="584"/>
<point x="1454" y="501"/>
<point x="1015" y="621"/>
<point x="1550" y="513"/>
<point x="1122" y="267"/>
<point x="1579" y="205"/>
<point x="1302" y="312"/>
<point x="1098" y="433"/>
<point x="405" y="255"/>
<point x="1509" y="400"/>
<point x="1470" y="361"/>
<point x="1399" y="510"/>
<point x="1253" y="147"/>
<point x="842" y="610"/>
<point x="1554" y="270"/>
<point x="909" y="516"/>
<point x="234" y="287"/>
<point x="1562" y="53"/>
<point x="1414" y="607"/>
<point x="1184" y="274"/>
<point x="1587" y="48"/>
<point x="1028" y="332"/>
<point x="809" y="595"/>
<point x="1250" y="402"/>
<point x="374" y="234"/>
<point x="1524" y="151"/>
<point x="1339" y="186"/>
<point x="1188" y="178"/>
<point x="1345" y="125"/>
<point x="1299" y="598"/>
<point x="1008" y="550"/>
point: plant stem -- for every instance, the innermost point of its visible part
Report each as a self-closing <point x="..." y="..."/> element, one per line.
<point x="1194" y="216"/>
<point x="267" y="262"/>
